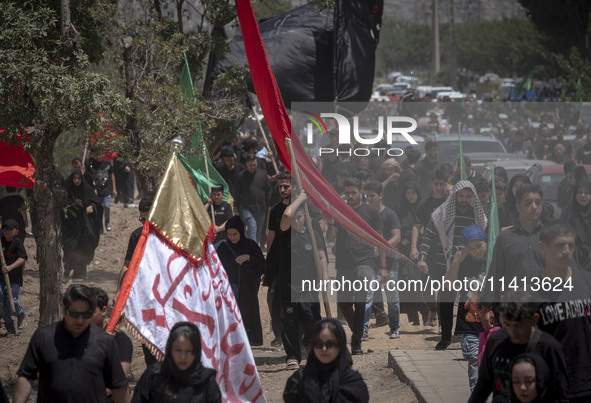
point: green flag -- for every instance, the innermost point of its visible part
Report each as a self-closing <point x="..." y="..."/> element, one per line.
<point x="493" y="220"/>
<point x="462" y="162"/>
<point x="526" y="84"/>
<point x="202" y="172"/>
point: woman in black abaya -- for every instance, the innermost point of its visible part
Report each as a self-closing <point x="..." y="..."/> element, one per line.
<point x="578" y="215"/>
<point x="327" y="376"/>
<point x="181" y="378"/>
<point x="81" y="225"/>
<point x="508" y="215"/>
<point x="244" y="262"/>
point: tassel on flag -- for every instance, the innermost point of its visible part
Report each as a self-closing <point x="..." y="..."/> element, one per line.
<point x="175" y="275"/>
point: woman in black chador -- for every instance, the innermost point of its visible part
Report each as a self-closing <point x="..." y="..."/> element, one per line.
<point x="244" y="262"/>
<point x="180" y="378"/>
<point x="578" y="215"/>
<point x="327" y="376"/>
<point x="81" y="225"/>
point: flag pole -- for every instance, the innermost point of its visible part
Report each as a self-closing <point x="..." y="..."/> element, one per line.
<point x="265" y="137"/>
<point x="296" y="175"/>
<point x="208" y="180"/>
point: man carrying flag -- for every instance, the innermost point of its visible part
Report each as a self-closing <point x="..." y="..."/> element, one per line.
<point x="175" y="275"/>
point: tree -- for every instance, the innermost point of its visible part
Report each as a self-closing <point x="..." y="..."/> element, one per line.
<point x="46" y="87"/>
<point x="144" y="54"/>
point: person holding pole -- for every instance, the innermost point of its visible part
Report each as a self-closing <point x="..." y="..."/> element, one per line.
<point x="14" y="257"/>
<point x="299" y="303"/>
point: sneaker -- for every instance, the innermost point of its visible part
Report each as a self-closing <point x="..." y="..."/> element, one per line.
<point x="395" y="334"/>
<point x="108" y="226"/>
<point x="432" y="319"/>
<point x="292" y="364"/>
<point x="276" y="342"/>
<point x="382" y="320"/>
<point x="356" y="350"/>
<point x="442" y="345"/>
<point x="22" y="321"/>
<point x="365" y="336"/>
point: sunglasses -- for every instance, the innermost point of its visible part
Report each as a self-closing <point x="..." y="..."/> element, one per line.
<point x="76" y="314"/>
<point x="330" y="345"/>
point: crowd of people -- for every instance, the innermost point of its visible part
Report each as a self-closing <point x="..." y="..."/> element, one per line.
<point x="434" y="216"/>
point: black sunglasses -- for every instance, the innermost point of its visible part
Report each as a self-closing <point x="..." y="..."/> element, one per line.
<point x="330" y="345"/>
<point x="76" y="314"/>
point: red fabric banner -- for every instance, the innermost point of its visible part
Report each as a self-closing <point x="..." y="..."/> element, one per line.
<point x="323" y="196"/>
<point x="16" y="165"/>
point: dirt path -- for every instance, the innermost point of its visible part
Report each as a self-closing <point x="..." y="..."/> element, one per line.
<point x="383" y="385"/>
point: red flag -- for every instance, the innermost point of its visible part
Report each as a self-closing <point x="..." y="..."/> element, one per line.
<point x="16" y="165"/>
<point x="323" y="196"/>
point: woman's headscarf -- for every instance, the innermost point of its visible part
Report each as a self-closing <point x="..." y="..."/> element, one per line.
<point x="543" y="383"/>
<point x="337" y="373"/>
<point x="579" y="219"/>
<point x="236" y="223"/>
<point x="83" y="192"/>
<point x="196" y="373"/>
<point x="405" y="207"/>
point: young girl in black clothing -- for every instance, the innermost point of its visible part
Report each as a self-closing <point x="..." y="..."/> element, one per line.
<point x="180" y="378"/>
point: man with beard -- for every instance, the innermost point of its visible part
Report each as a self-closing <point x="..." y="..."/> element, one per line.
<point x="355" y="261"/>
<point x="276" y="246"/>
<point x="440" y="241"/>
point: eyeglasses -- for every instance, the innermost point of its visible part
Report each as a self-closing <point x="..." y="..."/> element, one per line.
<point x="75" y="314"/>
<point x="330" y="345"/>
<point x="584" y="194"/>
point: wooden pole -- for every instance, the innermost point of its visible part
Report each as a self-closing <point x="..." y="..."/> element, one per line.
<point x="296" y="175"/>
<point x="266" y="141"/>
<point x="208" y="185"/>
<point x="84" y="155"/>
<point x="7" y="282"/>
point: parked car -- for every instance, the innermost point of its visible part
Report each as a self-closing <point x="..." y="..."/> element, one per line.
<point x="449" y="145"/>
<point x="479" y="160"/>
<point x="518" y="166"/>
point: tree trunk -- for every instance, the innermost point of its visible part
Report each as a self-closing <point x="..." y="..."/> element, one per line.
<point x="436" y="60"/>
<point x="452" y="39"/>
<point x="49" y="202"/>
<point x="179" y="14"/>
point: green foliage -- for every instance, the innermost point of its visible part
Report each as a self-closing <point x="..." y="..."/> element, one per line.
<point x="507" y="47"/>
<point x="38" y="83"/>
<point x="576" y="74"/>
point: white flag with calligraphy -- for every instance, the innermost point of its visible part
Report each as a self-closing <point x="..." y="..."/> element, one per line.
<point x="171" y="286"/>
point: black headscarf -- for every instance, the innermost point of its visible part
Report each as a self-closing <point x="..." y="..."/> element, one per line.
<point x="196" y="374"/>
<point x="236" y="223"/>
<point x="543" y="384"/>
<point x="344" y="384"/>
<point x="82" y="192"/>
<point x="405" y="207"/>
<point x="579" y="219"/>
<point x="510" y="211"/>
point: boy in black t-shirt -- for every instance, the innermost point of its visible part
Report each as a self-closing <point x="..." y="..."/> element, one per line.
<point x="15" y="257"/>
<point x="469" y="264"/>
<point x="222" y="212"/>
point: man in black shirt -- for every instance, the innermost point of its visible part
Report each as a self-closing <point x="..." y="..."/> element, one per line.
<point x="15" y="257"/>
<point x="355" y="262"/>
<point x="99" y="173"/>
<point x="428" y="165"/>
<point x="517" y="252"/>
<point x="253" y="194"/>
<point x="230" y="170"/>
<point x="144" y="210"/>
<point x="565" y="315"/>
<point x="436" y="198"/>
<point x="276" y="247"/>
<point x="74" y="361"/>
<point x="222" y="212"/>
<point x="518" y="335"/>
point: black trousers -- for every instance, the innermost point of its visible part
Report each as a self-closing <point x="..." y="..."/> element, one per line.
<point x="352" y="303"/>
<point x="295" y="316"/>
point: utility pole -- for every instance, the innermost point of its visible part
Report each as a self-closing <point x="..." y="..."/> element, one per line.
<point x="436" y="61"/>
<point x="452" y="38"/>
